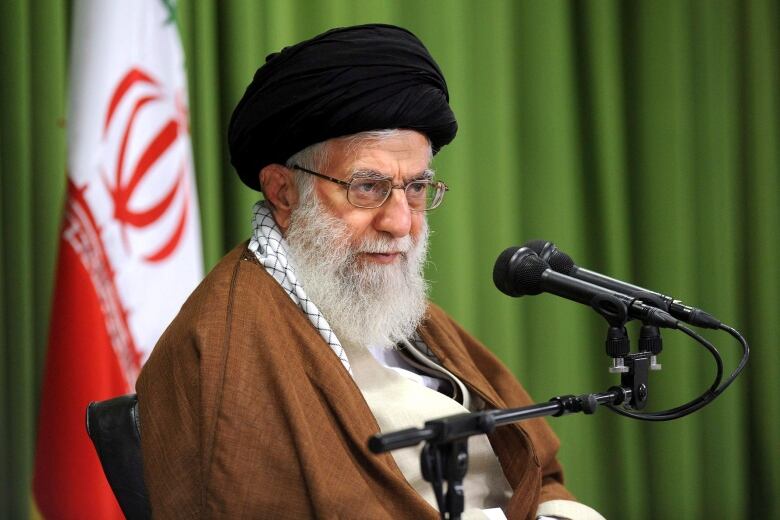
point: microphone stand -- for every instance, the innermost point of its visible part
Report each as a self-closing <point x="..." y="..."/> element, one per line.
<point x="444" y="457"/>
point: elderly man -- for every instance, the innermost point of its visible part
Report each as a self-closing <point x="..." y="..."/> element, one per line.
<point x="259" y="399"/>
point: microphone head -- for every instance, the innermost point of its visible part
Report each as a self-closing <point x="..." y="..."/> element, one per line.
<point x="538" y="246"/>
<point x="559" y="261"/>
<point x="518" y="271"/>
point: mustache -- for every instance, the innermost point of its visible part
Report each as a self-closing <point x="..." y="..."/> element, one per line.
<point x="383" y="244"/>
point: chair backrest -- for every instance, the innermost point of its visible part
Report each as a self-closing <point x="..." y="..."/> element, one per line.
<point x="114" y="428"/>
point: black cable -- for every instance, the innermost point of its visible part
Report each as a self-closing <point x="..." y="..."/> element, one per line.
<point x="695" y="404"/>
<point x="740" y="366"/>
<point x="705" y="398"/>
<point x="742" y="362"/>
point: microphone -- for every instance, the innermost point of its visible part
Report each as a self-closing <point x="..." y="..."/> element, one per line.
<point x="562" y="263"/>
<point x="519" y="271"/>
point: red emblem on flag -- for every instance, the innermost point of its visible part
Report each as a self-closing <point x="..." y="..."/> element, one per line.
<point x="143" y="92"/>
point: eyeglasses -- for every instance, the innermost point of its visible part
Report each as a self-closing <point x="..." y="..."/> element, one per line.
<point x="367" y="192"/>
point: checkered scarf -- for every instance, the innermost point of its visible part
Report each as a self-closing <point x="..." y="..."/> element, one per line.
<point x="269" y="247"/>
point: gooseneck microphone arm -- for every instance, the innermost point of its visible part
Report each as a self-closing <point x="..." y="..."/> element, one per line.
<point x="444" y="458"/>
<point x="461" y="426"/>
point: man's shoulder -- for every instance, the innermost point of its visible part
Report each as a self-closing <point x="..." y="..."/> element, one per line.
<point x="237" y="279"/>
<point x="223" y="271"/>
<point x="236" y="273"/>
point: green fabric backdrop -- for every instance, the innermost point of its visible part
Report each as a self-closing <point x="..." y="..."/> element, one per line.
<point x="642" y="137"/>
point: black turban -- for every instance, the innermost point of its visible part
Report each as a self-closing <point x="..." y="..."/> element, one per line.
<point x="344" y="81"/>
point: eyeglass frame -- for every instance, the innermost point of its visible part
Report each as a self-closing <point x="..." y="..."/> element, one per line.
<point x="348" y="185"/>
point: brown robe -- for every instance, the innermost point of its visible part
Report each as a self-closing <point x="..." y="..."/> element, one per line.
<point x="247" y="413"/>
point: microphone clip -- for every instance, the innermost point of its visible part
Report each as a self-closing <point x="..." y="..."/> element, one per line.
<point x="617" y="343"/>
<point x="633" y="368"/>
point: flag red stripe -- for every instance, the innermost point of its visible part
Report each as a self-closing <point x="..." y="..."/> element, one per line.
<point x="80" y="367"/>
<point x="81" y="230"/>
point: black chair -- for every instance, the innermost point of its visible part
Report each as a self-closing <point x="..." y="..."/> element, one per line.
<point x="113" y="426"/>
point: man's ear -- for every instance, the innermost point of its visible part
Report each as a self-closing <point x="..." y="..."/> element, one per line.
<point x="280" y="191"/>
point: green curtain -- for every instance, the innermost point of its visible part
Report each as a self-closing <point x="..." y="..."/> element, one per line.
<point x="642" y="137"/>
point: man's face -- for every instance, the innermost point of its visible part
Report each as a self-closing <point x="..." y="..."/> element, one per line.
<point x="363" y="268"/>
<point x="401" y="157"/>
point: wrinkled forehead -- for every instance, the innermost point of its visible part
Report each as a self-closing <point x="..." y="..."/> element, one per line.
<point x="397" y="153"/>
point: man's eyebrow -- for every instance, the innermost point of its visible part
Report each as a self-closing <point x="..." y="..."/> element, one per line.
<point x="368" y="174"/>
<point x="426" y="174"/>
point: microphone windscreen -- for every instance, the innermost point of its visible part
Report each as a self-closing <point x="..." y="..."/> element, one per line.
<point x="559" y="261"/>
<point x="518" y="272"/>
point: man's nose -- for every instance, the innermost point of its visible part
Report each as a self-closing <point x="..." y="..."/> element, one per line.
<point x="394" y="216"/>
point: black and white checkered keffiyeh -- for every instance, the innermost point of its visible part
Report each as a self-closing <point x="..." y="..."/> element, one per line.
<point x="269" y="247"/>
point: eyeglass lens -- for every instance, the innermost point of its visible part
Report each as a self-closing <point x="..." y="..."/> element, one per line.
<point x="372" y="193"/>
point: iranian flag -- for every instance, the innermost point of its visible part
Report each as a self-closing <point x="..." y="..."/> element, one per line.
<point x="129" y="251"/>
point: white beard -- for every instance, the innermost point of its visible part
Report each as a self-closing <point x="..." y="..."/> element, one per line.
<point x="364" y="303"/>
